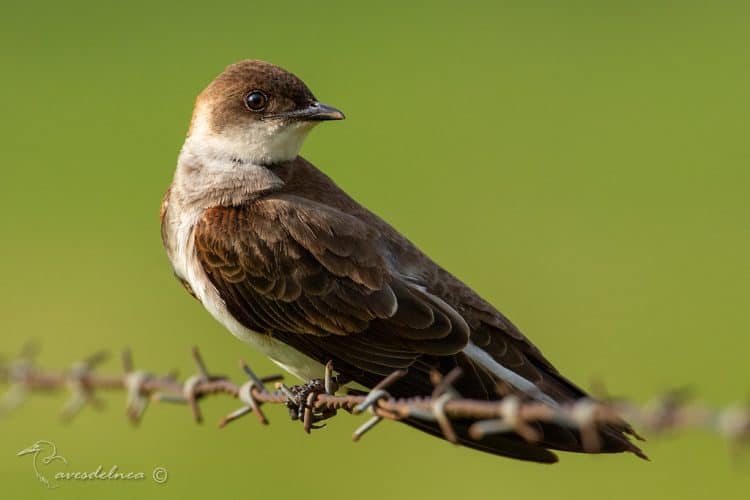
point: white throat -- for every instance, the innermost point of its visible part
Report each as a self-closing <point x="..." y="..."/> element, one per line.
<point x="228" y="167"/>
<point x="258" y="142"/>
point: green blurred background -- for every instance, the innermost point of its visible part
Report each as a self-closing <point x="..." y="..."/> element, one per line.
<point x="584" y="167"/>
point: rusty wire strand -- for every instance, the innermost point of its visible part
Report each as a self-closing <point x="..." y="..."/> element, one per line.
<point x="669" y="412"/>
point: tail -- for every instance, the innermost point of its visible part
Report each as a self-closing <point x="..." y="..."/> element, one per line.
<point x="552" y="389"/>
<point x="511" y="445"/>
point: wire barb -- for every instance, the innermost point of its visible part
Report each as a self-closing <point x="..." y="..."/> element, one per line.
<point x="246" y="395"/>
<point x="190" y="388"/>
<point x="82" y="393"/>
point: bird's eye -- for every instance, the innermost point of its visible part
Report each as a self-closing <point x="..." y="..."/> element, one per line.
<point x="256" y="100"/>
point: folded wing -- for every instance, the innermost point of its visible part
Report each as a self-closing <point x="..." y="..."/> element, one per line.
<point x="328" y="284"/>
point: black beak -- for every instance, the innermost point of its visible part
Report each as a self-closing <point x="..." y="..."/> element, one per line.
<point x="315" y="112"/>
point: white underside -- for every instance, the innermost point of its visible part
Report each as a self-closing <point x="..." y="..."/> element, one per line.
<point x="186" y="265"/>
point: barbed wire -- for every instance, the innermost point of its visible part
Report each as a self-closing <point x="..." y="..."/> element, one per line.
<point x="317" y="401"/>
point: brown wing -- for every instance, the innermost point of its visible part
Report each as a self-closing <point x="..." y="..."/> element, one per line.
<point x="321" y="281"/>
<point x="290" y="267"/>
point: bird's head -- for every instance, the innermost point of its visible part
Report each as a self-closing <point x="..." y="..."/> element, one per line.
<point x="37" y="447"/>
<point x="257" y="113"/>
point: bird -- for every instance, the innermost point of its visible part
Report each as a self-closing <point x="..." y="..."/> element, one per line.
<point x="48" y="450"/>
<point x="291" y="264"/>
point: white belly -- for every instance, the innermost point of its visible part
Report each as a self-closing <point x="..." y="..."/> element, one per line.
<point x="186" y="266"/>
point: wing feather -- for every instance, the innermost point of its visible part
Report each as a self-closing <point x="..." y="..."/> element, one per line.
<point x="287" y="264"/>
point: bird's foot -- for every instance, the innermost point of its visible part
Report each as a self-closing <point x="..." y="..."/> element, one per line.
<point x="300" y="397"/>
<point x="301" y="401"/>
